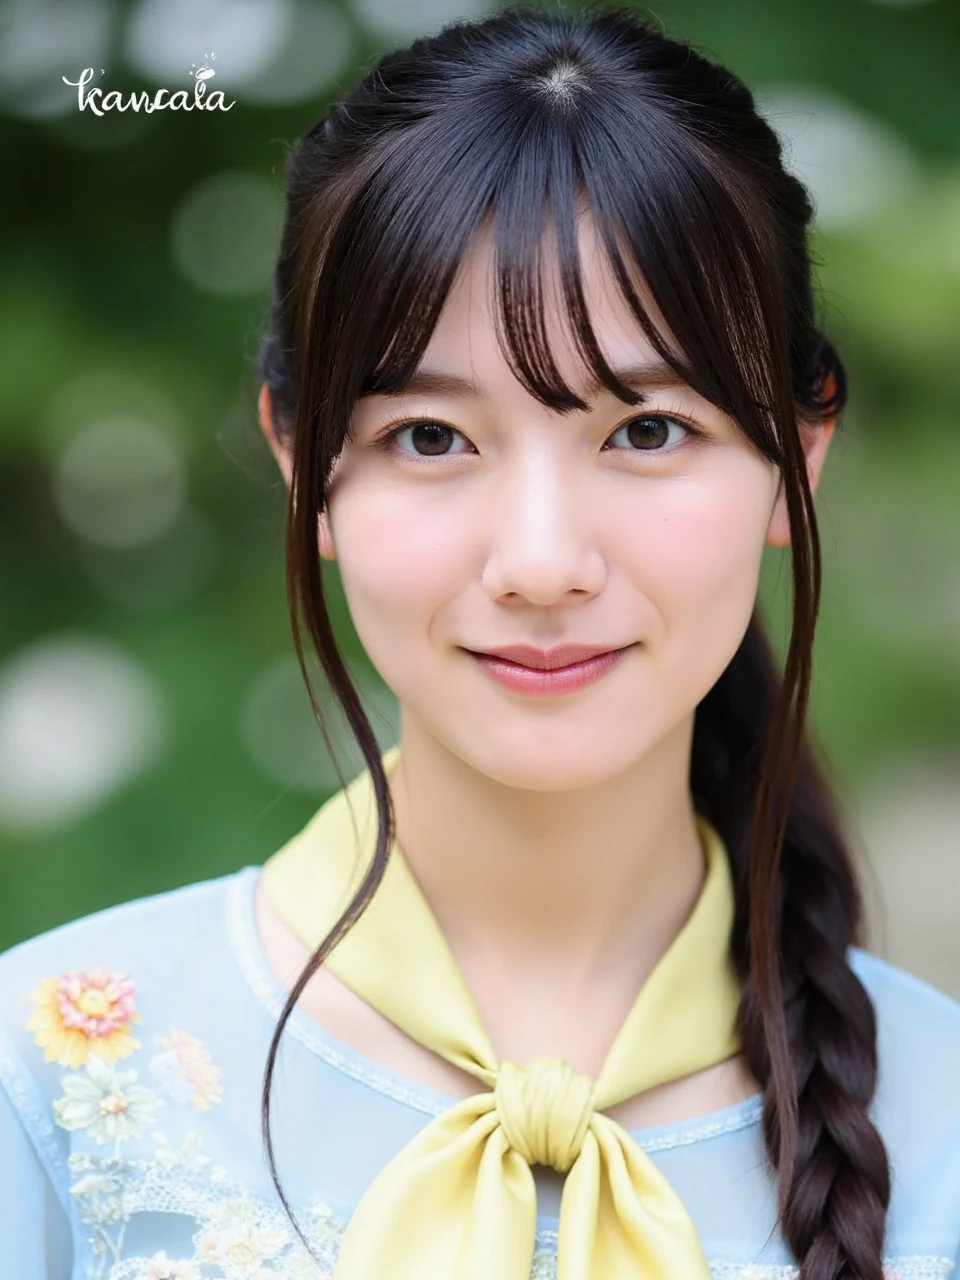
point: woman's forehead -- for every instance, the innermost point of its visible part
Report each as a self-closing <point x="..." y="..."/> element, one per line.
<point x="468" y="339"/>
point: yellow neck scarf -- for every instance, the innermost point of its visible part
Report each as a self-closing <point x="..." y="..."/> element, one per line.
<point x="459" y="1201"/>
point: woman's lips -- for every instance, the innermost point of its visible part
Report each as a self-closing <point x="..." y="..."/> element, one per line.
<point x="537" y="682"/>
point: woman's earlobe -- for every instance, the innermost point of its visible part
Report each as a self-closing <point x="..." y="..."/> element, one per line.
<point x="778" y="529"/>
<point x="264" y="409"/>
<point x="325" y="537"/>
<point x="816" y="441"/>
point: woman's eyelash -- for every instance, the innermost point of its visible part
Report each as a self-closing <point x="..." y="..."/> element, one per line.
<point x="386" y="438"/>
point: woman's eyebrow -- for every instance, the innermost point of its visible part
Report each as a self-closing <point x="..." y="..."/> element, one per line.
<point x="436" y="382"/>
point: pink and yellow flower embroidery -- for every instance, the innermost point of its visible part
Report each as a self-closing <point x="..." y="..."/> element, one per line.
<point x="82" y="1013"/>
<point x="186" y="1070"/>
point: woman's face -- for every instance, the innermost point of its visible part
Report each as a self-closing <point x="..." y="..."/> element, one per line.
<point x="506" y="522"/>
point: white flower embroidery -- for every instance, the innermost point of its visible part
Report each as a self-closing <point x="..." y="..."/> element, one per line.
<point x="100" y="1198"/>
<point x="240" y="1236"/>
<point x="105" y="1102"/>
<point x="160" y="1267"/>
<point x="238" y="1240"/>
<point x="188" y="1156"/>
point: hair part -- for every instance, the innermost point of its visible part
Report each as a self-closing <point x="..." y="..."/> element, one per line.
<point x="501" y="123"/>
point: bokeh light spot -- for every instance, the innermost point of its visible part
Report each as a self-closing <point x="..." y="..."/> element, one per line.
<point x="163" y="38"/>
<point x="225" y="232"/>
<point x="854" y="165"/>
<point x="316" y="51"/>
<point x="43" y="40"/>
<point x="404" y="21"/>
<point x="119" y="482"/>
<point x="79" y="718"/>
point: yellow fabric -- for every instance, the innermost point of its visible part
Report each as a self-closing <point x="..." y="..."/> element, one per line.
<point x="459" y="1201"/>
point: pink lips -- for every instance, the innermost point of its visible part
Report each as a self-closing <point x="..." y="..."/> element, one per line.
<point x="562" y="655"/>
<point x="548" y="681"/>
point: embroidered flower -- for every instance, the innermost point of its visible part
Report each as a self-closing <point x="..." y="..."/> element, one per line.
<point x="239" y="1239"/>
<point x="160" y="1267"/>
<point x="79" y="1014"/>
<point x="186" y="1070"/>
<point x="99" y="1198"/>
<point x="189" y="1157"/>
<point x="297" y="1266"/>
<point x="105" y="1103"/>
<point x="95" y="1184"/>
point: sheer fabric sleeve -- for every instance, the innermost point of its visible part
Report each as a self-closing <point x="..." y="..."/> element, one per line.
<point x="34" y="1228"/>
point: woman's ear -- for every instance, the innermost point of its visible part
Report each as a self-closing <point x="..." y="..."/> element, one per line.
<point x="815" y="438"/>
<point x="264" y="407"/>
<point x="285" y="463"/>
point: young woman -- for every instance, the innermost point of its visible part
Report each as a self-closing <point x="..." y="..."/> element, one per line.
<point x="572" y="977"/>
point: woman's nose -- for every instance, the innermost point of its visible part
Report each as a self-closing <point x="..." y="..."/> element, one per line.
<point x="542" y="542"/>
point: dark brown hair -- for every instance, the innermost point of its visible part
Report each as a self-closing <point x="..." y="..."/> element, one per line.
<point x="500" y="119"/>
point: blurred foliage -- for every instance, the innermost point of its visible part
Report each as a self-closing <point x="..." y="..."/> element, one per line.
<point x="91" y="288"/>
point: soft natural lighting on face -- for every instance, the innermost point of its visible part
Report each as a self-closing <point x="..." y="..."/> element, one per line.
<point x="466" y="515"/>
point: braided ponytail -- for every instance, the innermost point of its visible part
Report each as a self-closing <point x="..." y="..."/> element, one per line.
<point x="834" y="1190"/>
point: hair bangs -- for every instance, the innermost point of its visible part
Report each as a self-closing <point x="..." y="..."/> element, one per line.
<point x="391" y="261"/>
<point x="702" y="245"/>
<point x="676" y="229"/>
<point x="410" y="255"/>
<point x="525" y="247"/>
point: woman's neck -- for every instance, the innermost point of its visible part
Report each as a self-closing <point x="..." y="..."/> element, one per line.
<point x="540" y="892"/>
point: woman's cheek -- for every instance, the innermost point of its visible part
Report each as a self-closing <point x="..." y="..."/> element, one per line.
<point x="711" y="536"/>
<point x="397" y="570"/>
<point x="703" y="580"/>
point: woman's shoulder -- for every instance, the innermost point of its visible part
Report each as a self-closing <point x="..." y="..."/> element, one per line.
<point x="105" y="1030"/>
<point x="906" y="1003"/>
<point x="152" y="928"/>
<point x="918" y="1051"/>
<point x="90" y="984"/>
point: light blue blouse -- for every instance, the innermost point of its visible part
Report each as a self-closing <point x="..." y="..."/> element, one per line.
<point x="140" y="1157"/>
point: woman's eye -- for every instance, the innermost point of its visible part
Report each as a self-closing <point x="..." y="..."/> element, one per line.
<point x="648" y="433"/>
<point x="433" y="436"/>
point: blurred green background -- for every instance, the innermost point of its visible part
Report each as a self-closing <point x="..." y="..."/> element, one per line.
<point x="154" y="729"/>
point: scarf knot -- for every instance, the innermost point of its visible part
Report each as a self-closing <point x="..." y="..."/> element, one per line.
<point x="545" y="1109"/>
